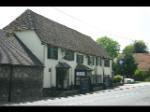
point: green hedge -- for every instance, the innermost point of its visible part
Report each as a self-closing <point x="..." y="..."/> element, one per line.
<point x="147" y="79"/>
<point x="117" y="78"/>
<point x="142" y="75"/>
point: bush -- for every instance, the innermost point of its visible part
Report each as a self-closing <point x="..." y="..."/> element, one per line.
<point x="117" y="78"/>
<point x="142" y="75"/>
<point x="147" y="75"/>
<point x="147" y="79"/>
<point x="138" y="75"/>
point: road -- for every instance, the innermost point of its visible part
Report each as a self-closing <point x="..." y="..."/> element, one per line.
<point x="126" y="95"/>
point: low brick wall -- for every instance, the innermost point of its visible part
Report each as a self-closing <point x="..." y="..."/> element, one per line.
<point x="47" y="92"/>
<point x="54" y="92"/>
<point x="26" y="83"/>
<point x="96" y="88"/>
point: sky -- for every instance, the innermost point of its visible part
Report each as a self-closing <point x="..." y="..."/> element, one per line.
<point x="123" y="24"/>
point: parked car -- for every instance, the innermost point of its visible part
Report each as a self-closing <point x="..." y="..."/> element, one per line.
<point x="128" y="80"/>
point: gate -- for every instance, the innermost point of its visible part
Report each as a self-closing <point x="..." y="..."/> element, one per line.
<point x="84" y="85"/>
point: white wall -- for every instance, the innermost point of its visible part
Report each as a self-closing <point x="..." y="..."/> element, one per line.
<point x="108" y="70"/>
<point x="32" y="41"/>
<point x="51" y="63"/>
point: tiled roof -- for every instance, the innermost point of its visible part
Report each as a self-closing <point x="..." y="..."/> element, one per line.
<point x="15" y="53"/>
<point x="143" y="60"/>
<point x="53" y="33"/>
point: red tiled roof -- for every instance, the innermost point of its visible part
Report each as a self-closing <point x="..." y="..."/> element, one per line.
<point x="143" y="60"/>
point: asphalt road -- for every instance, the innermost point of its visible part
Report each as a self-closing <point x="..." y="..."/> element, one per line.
<point x="126" y="95"/>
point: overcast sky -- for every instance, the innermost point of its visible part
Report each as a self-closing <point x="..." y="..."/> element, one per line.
<point x="123" y="24"/>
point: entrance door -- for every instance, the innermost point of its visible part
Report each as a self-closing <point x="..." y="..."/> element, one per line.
<point x="62" y="78"/>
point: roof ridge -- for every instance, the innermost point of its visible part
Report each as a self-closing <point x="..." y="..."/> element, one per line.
<point x="29" y="11"/>
<point x="55" y="33"/>
<point x="30" y="18"/>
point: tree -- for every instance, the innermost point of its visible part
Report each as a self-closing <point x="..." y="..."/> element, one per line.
<point x="116" y="66"/>
<point x="137" y="47"/>
<point x="140" y="47"/>
<point x="129" y="49"/>
<point x="111" y="46"/>
<point x="129" y="66"/>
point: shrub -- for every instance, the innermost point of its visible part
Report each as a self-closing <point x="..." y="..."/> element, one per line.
<point x="147" y="75"/>
<point x="141" y="75"/>
<point x="138" y="75"/>
<point x="147" y="79"/>
<point x="117" y="78"/>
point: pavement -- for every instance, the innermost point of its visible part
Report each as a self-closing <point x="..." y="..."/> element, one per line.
<point x="137" y="94"/>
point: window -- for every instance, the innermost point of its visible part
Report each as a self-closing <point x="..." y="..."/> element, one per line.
<point x="69" y="55"/>
<point x="107" y="63"/>
<point x="98" y="61"/>
<point x="52" y="53"/>
<point x="90" y="60"/>
<point x="79" y="59"/>
<point x="79" y="74"/>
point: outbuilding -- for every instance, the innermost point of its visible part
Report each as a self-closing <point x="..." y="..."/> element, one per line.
<point x="21" y="73"/>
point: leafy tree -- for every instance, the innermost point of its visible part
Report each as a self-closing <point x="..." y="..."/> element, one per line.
<point x="137" y="47"/>
<point x="128" y="68"/>
<point x="129" y="49"/>
<point x="140" y="47"/>
<point x="129" y="65"/>
<point x="116" y="66"/>
<point x="111" y="46"/>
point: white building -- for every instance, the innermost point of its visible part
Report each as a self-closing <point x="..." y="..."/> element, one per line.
<point x="66" y="54"/>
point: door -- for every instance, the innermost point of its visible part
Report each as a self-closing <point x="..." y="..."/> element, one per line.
<point x="62" y="78"/>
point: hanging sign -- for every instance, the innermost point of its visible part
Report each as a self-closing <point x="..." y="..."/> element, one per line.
<point x="80" y="73"/>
